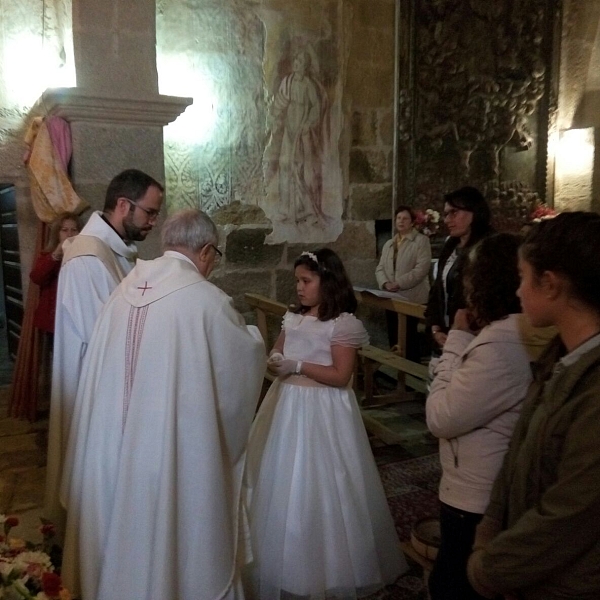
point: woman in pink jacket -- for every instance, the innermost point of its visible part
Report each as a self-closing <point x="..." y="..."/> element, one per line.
<point x="475" y="400"/>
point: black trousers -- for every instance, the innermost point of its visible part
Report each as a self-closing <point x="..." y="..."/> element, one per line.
<point x="448" y="578"/>
<point x="413" y="350"/>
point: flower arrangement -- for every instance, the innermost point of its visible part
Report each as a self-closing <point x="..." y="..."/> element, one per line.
<point x="427" y="221"/>
<point x="26" y="572"/>
<point x="541" y="212"/>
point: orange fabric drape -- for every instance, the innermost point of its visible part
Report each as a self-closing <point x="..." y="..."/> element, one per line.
<point x="51" y="195"/>
<point x="51" y="191"/>
<point x="24" y="394"/>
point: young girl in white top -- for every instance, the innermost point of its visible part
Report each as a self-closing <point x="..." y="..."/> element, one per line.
<point x="320" y="523"/>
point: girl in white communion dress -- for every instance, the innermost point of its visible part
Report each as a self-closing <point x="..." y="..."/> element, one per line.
<point x="321" y="527"/>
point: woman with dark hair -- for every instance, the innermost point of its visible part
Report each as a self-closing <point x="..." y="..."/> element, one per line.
<point x="319" y="521"/>
<point x="336" y="292"/>
<point x="404" y="269"/>
<point x="475" y="399"/>
<point x="540" y="537"/>
<point x="467" y="216"/>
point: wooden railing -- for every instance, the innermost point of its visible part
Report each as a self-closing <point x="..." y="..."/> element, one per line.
<point x="412" y="373"/>
<point x="402" y="307"/>
<point x="264" y="306"/>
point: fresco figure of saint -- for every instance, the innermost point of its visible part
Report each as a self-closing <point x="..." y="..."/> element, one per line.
<point x="299" y="121"/>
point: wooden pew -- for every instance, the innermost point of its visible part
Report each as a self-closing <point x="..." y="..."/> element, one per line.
<point x="371" y="357"/>
<point x="410" y="374"/>
<point x="402" y="307"/>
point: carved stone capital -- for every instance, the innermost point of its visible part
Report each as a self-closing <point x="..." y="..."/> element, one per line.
<point x="75" y="105"/>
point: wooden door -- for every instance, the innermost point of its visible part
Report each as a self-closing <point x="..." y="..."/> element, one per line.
<point x="12" y="292"/>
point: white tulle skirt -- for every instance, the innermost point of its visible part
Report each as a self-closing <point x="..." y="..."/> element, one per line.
<point x="320" y="524"/>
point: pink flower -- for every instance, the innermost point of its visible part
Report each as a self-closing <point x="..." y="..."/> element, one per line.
<point x="427" y="221"/>
<point x="420" y="218"/>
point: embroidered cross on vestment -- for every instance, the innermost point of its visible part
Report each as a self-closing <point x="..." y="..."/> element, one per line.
<point x="146" y="287"/>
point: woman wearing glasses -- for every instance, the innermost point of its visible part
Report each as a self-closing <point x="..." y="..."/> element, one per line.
<point x="467" y="217"/>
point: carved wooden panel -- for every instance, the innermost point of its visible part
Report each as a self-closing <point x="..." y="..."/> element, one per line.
<point x="477" y="99"/>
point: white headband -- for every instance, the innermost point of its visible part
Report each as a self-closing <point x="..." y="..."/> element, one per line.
<point x="311" y="255"/>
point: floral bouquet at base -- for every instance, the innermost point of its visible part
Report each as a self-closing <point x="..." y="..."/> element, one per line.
<point x="427" y="221"/>
<point x="27" y="573"/>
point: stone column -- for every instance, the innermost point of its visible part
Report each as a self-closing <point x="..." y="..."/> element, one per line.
<point x="116" y="113"/>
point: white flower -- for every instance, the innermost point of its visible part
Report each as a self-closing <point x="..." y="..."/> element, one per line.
<point x="434" y="215"/>
<point x="6" y="568"/>
<point x="33" y="563"/>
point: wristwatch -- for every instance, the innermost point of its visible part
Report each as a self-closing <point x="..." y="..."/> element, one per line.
<point x="435" y="329"/>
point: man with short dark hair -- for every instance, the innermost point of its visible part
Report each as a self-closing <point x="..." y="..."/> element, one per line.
<point x="94" y="262"/>
<point x="157" y="449"/>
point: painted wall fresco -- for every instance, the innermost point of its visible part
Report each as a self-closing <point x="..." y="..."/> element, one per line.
<point x="212" y="50"/>
<point x="267" y="115"/>
<point x="36" y="52"/>
<point x="304" y="76"/>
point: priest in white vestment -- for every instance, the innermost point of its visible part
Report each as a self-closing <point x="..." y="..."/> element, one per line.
<point x="169" y="388"/>
<point x="94" y="262"/>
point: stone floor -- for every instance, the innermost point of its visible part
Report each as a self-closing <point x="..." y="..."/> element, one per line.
<point x="22" y="471"/>
<point x="23" y="459"/>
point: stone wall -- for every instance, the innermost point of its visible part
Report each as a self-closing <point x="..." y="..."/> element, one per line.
<point x="31" y="57"/>
<point x="250" y="264"/>
<point x="365" y="148"/>
<point x="578" y="164"/>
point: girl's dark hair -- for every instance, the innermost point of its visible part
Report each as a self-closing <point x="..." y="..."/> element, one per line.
<point x="472" y="200"/>
<point x="55" y="227"/>
<point x="408" y="209"/>
<point x="568" y="244"/>
<point x="337" y="295"/>
<point x="491" y="278"/>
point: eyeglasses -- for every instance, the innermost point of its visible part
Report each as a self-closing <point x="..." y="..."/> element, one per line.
<point x="217" y="251"/>
<point x="152" y="214"/>
<point x="450" y="214"/>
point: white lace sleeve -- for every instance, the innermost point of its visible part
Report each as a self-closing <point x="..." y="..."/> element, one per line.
<point x="289" y="318"/>
<point x="348" y="331"/>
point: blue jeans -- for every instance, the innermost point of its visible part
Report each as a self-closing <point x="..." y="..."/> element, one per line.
<point x="448" y="579"/>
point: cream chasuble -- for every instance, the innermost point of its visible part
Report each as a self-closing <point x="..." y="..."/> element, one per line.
<point x="95" y="261"/>
<point x="157" y="447"/>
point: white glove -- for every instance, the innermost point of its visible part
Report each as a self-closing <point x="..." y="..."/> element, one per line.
<point x="275" y="357"/>
<point x="286" y="366"/>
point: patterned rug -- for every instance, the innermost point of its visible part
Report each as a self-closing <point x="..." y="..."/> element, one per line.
<point x="411" y="487"/>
